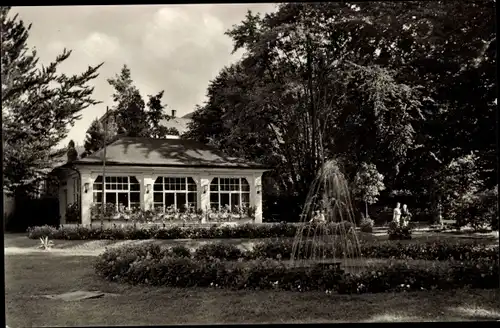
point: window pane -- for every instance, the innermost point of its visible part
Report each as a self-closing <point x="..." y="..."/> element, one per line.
<point x="98" y="179"/>
<point x="135" y="187"/>
<point x="169" y="199"/>
<point x="158" y="197"/>
<point x="191" y="184"/>
<point x="181" y="200"/>
<point x="159" y="180"/>
<point x="244" y="185"/>
<point x="108" y="186"/>
<point x="123" y="198"/>
<point x="214" y="197"/>
<point x="97" y="186"/>
<point x="224" y="199"/>
<point x="131" y="179"/>
<point x="135" y="197"/>
<point x="192" y="198"/>
<point x="245" y="198"/>
<point x="158" y="187"/>
<point x="111" y="197"/>
<point x="108" y="179"/>
<point x="97" y="197"/>
<point x="235" y="200"/>
<point x="214" y="187"/>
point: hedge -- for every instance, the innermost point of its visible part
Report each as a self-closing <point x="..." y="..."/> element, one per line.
<point x="153" y="266"/>
<point x="177" y="232"/>
<point x="279" y="250"/>
<point x="432" y="250"/>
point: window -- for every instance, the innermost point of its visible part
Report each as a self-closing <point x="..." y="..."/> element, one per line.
<point x="119" y="190"/>
<point x="76" y="191"/>
<point x="177" y="192"/>
<point x="229" y="191"/>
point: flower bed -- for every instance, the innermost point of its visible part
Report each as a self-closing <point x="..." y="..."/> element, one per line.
<point x="179" y="268"/>
<point x="119" y="213"/>
<point x="178" y="232"/>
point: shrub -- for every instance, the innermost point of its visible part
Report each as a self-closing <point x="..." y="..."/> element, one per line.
<point x="397" y="232"/>
<point x="180" y="251"/>
<point x="191" y="232"/>
<point x="222" y="251"/>
<point x="435" y="250"/>
<point x="366" y="225"/>
<point x="148" y="265"/>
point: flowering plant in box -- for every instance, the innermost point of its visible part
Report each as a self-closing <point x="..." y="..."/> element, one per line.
<point x="172" y="213"/>
<point x="96" y="211"/>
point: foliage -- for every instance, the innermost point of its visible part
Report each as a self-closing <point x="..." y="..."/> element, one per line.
<point x="73" y="213"/>
<point x="39" y="105"/>
<point x="71" y="152"/>
<point x="368" y="184"/>
<point x="150" y="265"/>
<point x="130" y="107"/>
<point x="366" y="225"/>
<point x="398" y="232"/>
<point x="221" y="251"/>
<point x="45" y="243"/>
<point x="156" y="114"/>
<point x="94" y="139"/>
<point x="250" y="230"/>
<point x="373" y="82"/>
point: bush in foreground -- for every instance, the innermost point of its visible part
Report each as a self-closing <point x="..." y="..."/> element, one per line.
<point x="150" y="265"/>
<point x="177" y="232"/>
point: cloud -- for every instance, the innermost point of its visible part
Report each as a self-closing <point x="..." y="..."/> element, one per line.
<point x="176" y="48"/>
<point x="101" y="46"/>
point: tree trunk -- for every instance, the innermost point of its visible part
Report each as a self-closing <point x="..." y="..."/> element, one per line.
<point x="366" y="210"/>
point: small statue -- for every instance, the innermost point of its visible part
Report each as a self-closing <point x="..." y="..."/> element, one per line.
<point x="396" y="214"/>
<point x="405" y="216"/>
<point x="318" y="217"/>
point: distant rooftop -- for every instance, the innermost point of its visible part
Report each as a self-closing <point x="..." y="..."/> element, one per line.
<point x="179" y="123"/>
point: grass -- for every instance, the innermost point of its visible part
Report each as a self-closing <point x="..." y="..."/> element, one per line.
<point x="32" y="275"/>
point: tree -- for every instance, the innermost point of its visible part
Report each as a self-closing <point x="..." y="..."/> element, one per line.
<point x="368" y="184"/>
<point x="130" y="108"/>
<point x="71" y="152"/>
<point x="372" y="82"/>
<point x="156" y="115"/>
<point x="94" y="139"/>
<point x="39" y="105"/>
<point x="289" y="104"/>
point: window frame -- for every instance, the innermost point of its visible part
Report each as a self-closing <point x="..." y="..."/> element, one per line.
<point x="112" y="182"/>
<point x="166" y="180"/>
<point x="242" y="181"/>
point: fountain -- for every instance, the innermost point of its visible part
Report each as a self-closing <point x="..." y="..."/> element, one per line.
<point x="318" y="240"/>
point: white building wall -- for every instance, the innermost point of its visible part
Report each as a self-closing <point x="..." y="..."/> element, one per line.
<point x="147" y="176"/>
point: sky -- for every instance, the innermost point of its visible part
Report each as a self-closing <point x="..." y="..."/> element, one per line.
<point x="176" y="48"/>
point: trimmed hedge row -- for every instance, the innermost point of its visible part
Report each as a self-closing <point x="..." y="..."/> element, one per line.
<point x="177" y="232"/>
<point x="150" y="265"/>
<point x="433" y="250"/>
<point x="279" y="250"/>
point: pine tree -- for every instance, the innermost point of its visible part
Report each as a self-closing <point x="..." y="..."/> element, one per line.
<point x="130" y="107"/>
<point x="94" y="139"/>
<point x="156" y="114"/>
<point x="39" y="105"/>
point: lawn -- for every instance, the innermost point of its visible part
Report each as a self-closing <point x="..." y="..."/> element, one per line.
<point x="30" y="275"/>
